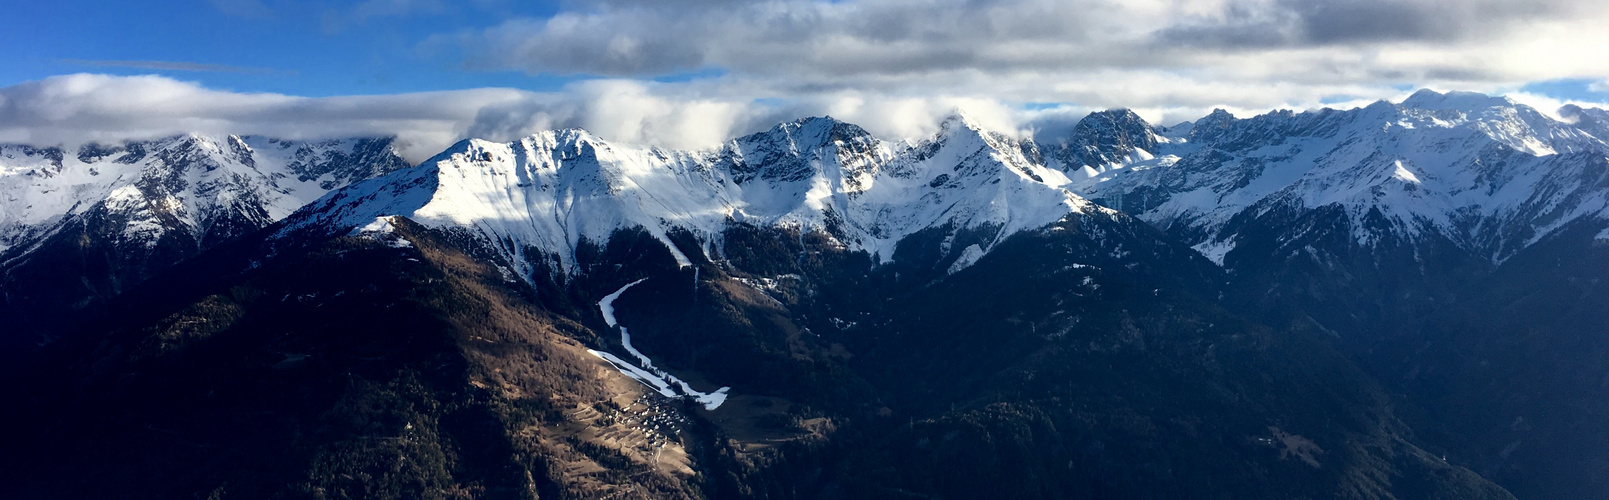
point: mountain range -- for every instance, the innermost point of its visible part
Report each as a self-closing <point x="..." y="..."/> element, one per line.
<point x="76" y="229"/>
<point x="1326" y="304"/>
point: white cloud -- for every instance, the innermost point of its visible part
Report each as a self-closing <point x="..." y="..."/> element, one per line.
<point x="1146" y="53"/>
<point x="1550" y="106"/>
<point x="622" y="110"/>
<point x="75" y="109"/>
<point x="893" y="66"/>
<point x="81" y="108"/>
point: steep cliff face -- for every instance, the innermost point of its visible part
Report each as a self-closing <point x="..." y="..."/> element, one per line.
<point x="1105" y="139"/>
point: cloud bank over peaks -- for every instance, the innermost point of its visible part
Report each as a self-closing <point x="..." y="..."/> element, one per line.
<point x="690" y="74"/>
<point x="71" y="110"/>
<point x="77" y="109"/>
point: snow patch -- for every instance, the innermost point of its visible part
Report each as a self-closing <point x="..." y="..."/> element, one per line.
<point x="1215" y="250"/>
<point x="645" y="371"/>
<point x="969" y="255"/>
<point x="607" y="304"/>
<point x="649" y="379"/>
<point x="1403" y="174"/>
<point x="382" y="229"/>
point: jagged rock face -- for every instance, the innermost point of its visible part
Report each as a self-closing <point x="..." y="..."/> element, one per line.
<point x="1594" y="121"/>
<point x="1104" y="138"/>
<point x="1489" y="174"/>
<point x="185" y="183"/>
<point x="336" y="163"/>
<point x="539" y="199"/>
<point x="789" y="152"/>
<point x="1486" y="174"/>
<point x="75" y="228"/>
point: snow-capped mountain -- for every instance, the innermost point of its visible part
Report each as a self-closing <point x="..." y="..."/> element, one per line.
<point x="1000" y="323"/>
<point x="77" y="227"/>
<point x="1486" y="173"/>
<point x="541" y="197"/>
<point x="193" y="187"/>
<point x="1593" y="121"/>
<point x="1106" y="139"/>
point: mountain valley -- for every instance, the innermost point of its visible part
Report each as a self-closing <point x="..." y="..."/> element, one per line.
<point x="1395" y="301"/>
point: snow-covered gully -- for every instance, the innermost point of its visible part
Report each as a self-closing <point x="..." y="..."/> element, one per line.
<point x="663" y="383"/>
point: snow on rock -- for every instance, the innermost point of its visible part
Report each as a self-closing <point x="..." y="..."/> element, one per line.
<point x="969" y="255"/>
<point x="206" y="188"/>
<point x="1215" y="250"/>
<point x="537" y="199"/>
<point x="383" y="229"/>
<point x="1484" y="172"/>
<point x="645" y="371"/>
<point x="1106" y="140"/>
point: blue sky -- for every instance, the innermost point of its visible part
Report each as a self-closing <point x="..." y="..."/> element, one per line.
<point x="689" y="72"/>
<point x="300" y="48"/>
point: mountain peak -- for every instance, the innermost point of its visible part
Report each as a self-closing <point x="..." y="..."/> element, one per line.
<point x="1593" y="121"/>
<point x="1212" y="126"/>
<point x="1577" y="114"/>
<point x="818" y="121"/>
<point x="958" y="119"/>
<point x="959" y="124"/>
<point x="809" y="133"/>
<point x="814" y="173"/>
<point x="1107" y="137"/>
<point x="1117" y="114"/>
